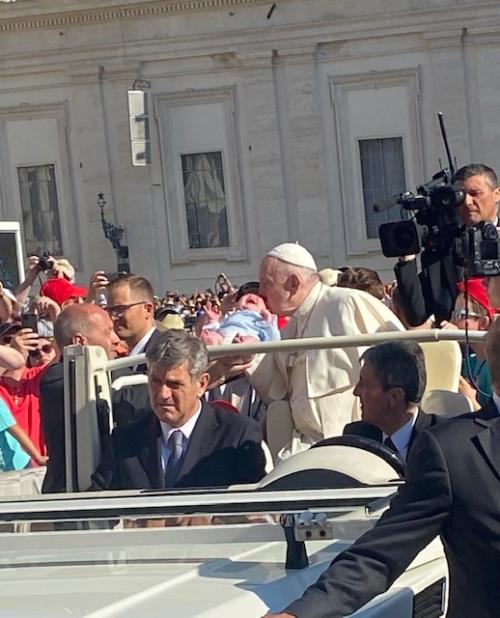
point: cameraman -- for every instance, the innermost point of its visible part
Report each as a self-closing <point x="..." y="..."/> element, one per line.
<point x="434" y="290"/>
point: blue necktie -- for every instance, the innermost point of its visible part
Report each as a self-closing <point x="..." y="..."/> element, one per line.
<point x="175" y="443"/>
<point x="390" y="444"/>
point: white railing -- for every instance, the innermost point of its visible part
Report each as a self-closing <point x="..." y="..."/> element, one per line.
<point x="318" y="343"/>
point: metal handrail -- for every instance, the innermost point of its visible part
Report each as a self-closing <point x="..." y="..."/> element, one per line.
<point x="123" y="503"/>
<point x="319" y="343"/>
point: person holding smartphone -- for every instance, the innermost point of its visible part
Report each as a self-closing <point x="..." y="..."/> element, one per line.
<point x="20" y="388"/>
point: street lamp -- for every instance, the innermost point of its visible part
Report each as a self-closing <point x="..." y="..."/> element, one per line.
<point x="114" y="233"/>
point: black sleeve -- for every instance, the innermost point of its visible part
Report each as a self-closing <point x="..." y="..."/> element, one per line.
<point x="251" y="461"/>
<point x="370" y="566"/>
<point x="439" y="279"/>
<point x="52" y="421"/>
<point x="131" y="404"/>
<point x="411" y="293"/>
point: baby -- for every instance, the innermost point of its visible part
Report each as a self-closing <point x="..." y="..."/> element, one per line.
<point x="251" y="318"/>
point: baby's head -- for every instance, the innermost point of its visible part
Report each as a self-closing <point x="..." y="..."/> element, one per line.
<point x="251" y="302"/>
<point x="247" y="297"/>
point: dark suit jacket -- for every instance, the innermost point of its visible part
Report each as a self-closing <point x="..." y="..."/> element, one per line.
<point x="143" y="368"/>
<point x="367" y="430"/>
<point x="452" y="490"/>
<point x="432" y="291"/>
<point x="130" y="404"/>
<point x="224" y="449"/>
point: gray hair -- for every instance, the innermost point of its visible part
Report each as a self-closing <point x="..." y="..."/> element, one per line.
<point x="477" y="169"/>
<point x="399" y="364"/>
<point x="173" y="347"/>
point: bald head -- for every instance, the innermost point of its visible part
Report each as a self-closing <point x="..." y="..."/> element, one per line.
<point x="285" y="286"/>
<point x="85" y="324"/>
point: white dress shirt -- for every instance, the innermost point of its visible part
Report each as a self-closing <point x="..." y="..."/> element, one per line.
<point x="167" y="430"/>
<point x="141" y="344"/>
<point x="401" y="437"/>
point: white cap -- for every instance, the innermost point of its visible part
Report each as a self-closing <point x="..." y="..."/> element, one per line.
<point x="293" y="253"/>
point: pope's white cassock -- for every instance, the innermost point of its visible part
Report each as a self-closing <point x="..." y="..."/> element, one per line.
<point x="318" y="384"/>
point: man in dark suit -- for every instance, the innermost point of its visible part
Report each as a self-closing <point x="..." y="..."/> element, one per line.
<point x="186" y="443"/>
<point x="391" y="385"/>
<point x="433" y="291"/>
<point x="83" y="324"/>
<point x="452" y="489"/>
<point x="131" y="307"/>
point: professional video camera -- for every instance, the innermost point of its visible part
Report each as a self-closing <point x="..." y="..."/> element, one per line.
<point x="436" y="227"/>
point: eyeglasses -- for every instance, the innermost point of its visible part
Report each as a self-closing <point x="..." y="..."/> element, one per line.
<point x="119" y="311"/>
<point x="463" y="314"/>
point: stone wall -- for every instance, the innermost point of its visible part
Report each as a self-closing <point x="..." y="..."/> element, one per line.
<point x="295" y="90"/>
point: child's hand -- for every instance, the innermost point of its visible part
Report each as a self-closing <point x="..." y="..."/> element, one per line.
<point x="266" y="315"/>
<point x="41" y="460"/>
<point x="211" y="337"/>
<point x="445" y="325"/>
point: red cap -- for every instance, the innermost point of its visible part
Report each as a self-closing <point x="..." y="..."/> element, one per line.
<point x="476" y="290"/>
<point x="61" y="290"/>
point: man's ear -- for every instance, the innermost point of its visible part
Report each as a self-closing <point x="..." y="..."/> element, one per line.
<point x="292" y="283"/>
<point x="203" y="381"/>
<point x="484" y="322"/>
<point x="396" y="396"/>
<point x="78" y="339"/>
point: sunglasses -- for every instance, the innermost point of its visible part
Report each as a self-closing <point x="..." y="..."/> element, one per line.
<point x="44" y="349"/>
<point x="118" y="311"/>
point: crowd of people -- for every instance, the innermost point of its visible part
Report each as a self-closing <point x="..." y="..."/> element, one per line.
<point x="202" y="423"/>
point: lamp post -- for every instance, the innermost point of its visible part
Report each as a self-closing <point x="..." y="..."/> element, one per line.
<point x="114" y="233"/>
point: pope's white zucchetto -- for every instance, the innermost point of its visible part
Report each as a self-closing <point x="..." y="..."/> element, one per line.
<point x="293" y="253"/>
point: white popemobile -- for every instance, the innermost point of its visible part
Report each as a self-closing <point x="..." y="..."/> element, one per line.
<point x="210" y="553"/>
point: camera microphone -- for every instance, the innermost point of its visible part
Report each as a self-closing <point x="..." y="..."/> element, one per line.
<point x="385" y="203"/>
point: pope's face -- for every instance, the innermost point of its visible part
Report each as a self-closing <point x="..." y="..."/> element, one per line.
<point x="274" y="288"/>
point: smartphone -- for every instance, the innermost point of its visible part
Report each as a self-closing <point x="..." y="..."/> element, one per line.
<point x="222" y="285"/>
<point x="30" y="320"/>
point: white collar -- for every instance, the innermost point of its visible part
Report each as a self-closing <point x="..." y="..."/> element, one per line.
<point x="187" y="428"/>
<point x="496" y="401"/>
<point x="401" y="437"/>
<point x="140" y="345"/>
<point x="309" y="302"/>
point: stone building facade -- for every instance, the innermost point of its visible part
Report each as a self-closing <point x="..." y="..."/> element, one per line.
<point x="251" y="123"/>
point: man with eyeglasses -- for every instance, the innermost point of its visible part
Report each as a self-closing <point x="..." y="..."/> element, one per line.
<point x="131" y="307"/>
<point x="478" y="314"/>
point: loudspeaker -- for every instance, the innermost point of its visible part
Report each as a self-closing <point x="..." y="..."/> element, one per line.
<point x="139" y="127"/>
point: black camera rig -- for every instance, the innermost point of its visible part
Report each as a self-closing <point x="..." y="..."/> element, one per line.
<point x="435" y="226"/>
